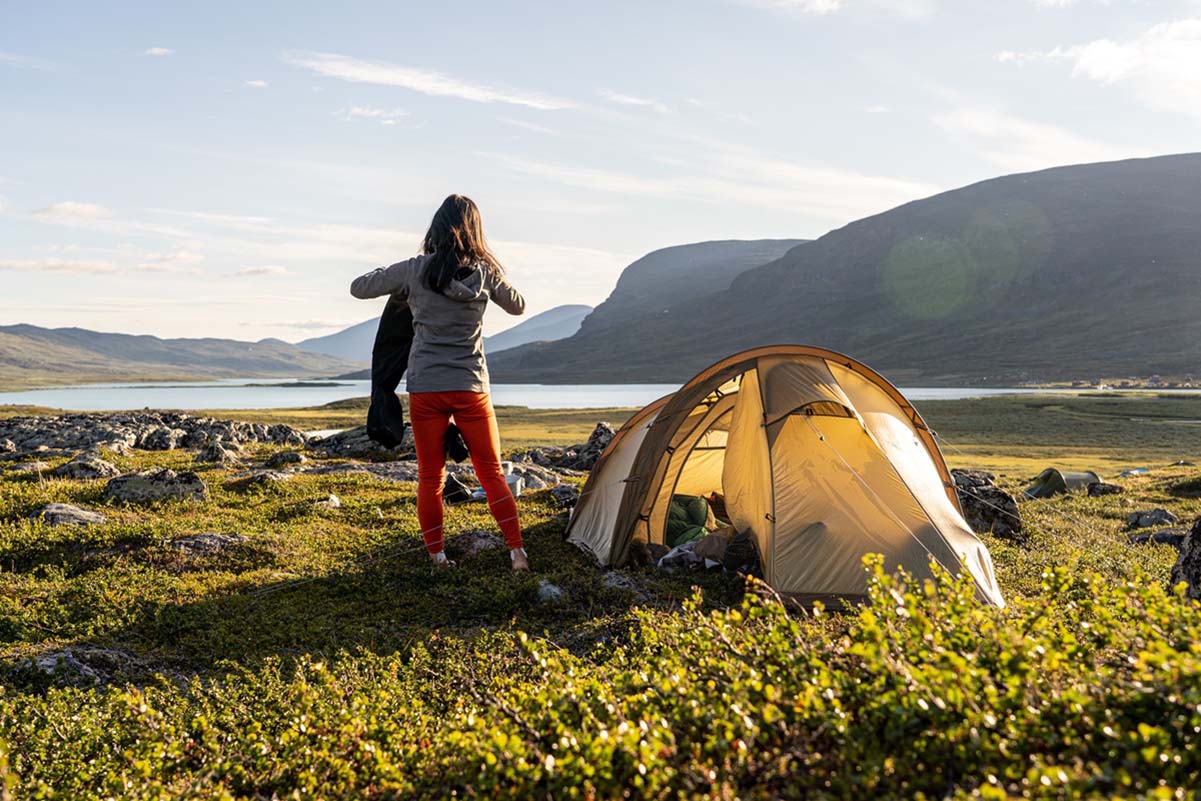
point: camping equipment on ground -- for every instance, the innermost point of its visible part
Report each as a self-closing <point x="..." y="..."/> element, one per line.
<point x="820" y="461"/>
<point x="455" y="490"/>
<point x="1054" y="482"/>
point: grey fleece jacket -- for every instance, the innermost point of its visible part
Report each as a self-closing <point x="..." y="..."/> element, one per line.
<point x="448" y="347"/>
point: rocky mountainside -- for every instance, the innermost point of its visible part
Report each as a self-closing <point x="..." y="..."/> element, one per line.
<point x="33" y="355"/>
<point x="1073" y="272"/>
<point x="663" y="280"/>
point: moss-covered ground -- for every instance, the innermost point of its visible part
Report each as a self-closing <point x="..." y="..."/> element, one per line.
<point x="324" y="657"/>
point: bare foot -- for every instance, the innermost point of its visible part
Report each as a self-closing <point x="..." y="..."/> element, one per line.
<point x="439" y="559"/>
<point x="521" y="562"/>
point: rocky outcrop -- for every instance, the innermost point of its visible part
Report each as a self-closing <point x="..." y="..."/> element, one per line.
<point x="470" y="543"/>
<point x="207" y="544"/>
<point x="565" y="495"/>
<point x="156" y="485"/>
<point x="85" y="466"/>
<point x="1150" y="518"/>
<point x="1188" y="564"/>
<point x="64" y="514"/>
<point x="85" y="665"/>
<point x="355" y="444"/>
<point x="257" y="478"/>
<point x="986" y="507"/>
<point x="285" y="459"/>
<point x="1100" y="488"/>
<point x="148" y="430"/>
<point x="575" y="457"/>
<point x="216" y="453"/>
<point x="7" y="446"/>
<point x="1165" y="536"/>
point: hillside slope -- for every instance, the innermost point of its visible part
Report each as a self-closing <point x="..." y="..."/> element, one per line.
<point x="30" y="355"/>
<point x="673" y="277"/>
<point x="1071" y="272"/>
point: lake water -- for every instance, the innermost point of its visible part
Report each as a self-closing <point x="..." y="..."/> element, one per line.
<point x="258" y="393"/>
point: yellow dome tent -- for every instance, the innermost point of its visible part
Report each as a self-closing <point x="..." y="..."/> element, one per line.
<point x="818" y="457"/>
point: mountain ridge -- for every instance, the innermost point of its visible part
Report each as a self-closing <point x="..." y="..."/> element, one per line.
<point x="1010" y="279"/>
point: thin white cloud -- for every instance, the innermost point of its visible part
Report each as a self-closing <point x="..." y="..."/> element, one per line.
<point x="71" y="210"/>
<point x="732" y="174"/>
<point x="1019" y="144"/>
<point x="79" y="266"/>
<point x="158" y="51"/>
<point x="266" y="269"/>
<point x="528" y="126"/>
<point x="385" y="73"/>
<point x="382" y="115"/>
<point x="802" y="6"/>
<point x="24" y="62"/>
<point x="1160" y="66"/>
<point x="877" y="109"/>
<point x="256" y="84"/>
<point x="632" y="100"/>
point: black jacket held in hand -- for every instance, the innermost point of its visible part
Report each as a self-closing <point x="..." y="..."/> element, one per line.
<point x="389" y="360"/>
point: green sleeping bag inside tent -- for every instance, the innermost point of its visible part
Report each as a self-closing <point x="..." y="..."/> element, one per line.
<point x="688" y="519"/>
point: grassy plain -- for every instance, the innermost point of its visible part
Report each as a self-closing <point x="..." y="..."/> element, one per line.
<point x="323" y="657"/>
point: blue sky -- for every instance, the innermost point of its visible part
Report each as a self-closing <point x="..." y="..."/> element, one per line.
<point x="224" y="169"/>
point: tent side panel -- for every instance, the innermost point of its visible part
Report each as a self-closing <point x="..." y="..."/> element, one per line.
<point x="837" y="499"/>
<point x="594" y="521"/>
<point x="746" y="475"/>
<point x="899" y="441"/>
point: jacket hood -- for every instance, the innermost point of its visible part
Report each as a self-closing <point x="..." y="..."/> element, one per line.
<point x="468" y="288"/>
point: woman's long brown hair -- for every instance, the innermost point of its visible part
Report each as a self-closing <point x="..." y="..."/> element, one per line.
<point x="455" y="239"/>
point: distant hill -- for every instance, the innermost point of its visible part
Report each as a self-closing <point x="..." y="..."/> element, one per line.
<point x="1072" y="272"/>
<point x="352" y="343"/>
<point x="30" y="355"/>
<point x="355" y="342"/>
<point x="550" y="325"/>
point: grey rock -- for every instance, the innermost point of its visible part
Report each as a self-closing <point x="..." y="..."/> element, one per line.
<point x="156" y="485"/>
<point x="549" y="593"/>
<point x="565" y="495"/>
<point x="576" y="457"/>
<point x="986" y="507"/>
<point x="285" y="459"/>
<point x="207" y="544"/>
<point x="1150" y="518"/>
<point x="1188" y="564"/>
<point x="355" y="444"/>
<point x="29" y="468"/>
<point x="147" y="429"/>
<point x="7" y="446"/>
<point x="1099" y="488"/>
<point x="85" y="665"/>
<point x="1165" y="536"/>
<point x="332" y="502"/>
<point x="162" y="438"/>
<point x="64" y="514"/>
<point x="472" y="542"/>
<point x="216" y="453"/>
<point x="258" y="478"/>
<point x="86" y="466"/>
<point x="535" y="476"/>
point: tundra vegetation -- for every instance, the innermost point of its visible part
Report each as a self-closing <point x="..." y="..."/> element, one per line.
<point x="311" y="651"/>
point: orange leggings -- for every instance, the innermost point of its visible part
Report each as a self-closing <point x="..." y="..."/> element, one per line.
<point x="430" y="413"/>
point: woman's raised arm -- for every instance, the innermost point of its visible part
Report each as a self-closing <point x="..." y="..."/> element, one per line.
<point x="383" y="281"/>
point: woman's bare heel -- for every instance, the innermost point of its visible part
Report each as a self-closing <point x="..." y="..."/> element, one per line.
<point x="521" y="562"/>
<point x="439" y="559"/>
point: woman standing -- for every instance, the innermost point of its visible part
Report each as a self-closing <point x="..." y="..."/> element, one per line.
<point x="448" y="288"/>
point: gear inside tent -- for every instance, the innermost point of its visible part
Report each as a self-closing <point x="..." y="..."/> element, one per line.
<point x="818" y="459"/>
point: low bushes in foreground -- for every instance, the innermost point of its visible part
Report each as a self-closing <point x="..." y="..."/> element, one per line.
<point x="1087" y="687"/>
